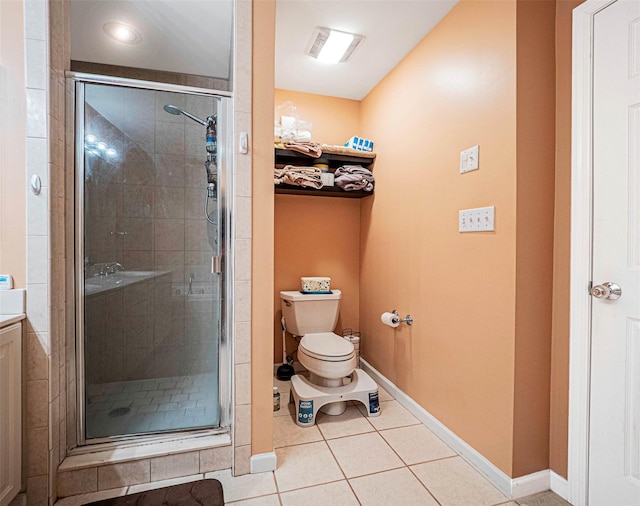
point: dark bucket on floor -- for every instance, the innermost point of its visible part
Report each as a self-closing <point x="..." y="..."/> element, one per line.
<point x="196" y="493"/>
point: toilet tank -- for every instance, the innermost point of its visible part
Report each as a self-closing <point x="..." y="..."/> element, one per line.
<point x="310" y="313"/>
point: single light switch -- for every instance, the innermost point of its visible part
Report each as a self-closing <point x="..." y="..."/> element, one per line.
<point x="469" y="159"/>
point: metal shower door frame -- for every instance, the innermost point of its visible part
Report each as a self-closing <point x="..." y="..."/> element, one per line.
<point x="76" y="389"/>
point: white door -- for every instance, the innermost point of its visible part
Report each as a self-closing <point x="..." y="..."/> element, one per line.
<point x="614" y="448"/>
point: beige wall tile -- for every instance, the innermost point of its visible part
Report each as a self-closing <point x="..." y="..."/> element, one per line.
<point x="37" y="404"/>
<point x="81" y="481"/>
<point x="242" y="343"/>
<point x="242" y="425"/>
<point x="242" y="460"/>
<point x="120" y="475"/>
<point x="36" y="12"/>
<point x="243" y="14"/>
<point x="36" y="59"/>
<point x="37" y="259"/>
<point x="243" y="78"/>
<point x="242" y="182"/>
<point x="242" y="260"/>
<point x="215" y="459"/>
<point x="242" y="301"/>
<point x="37" y="491"/>
<point x="243" y="218"/>
<point x="37" y="448"/>
<point x="243" y="384"/>
<point x="174" y="466"/>
<point x="36" y="360"/>
<point x="36" y="113"/>
<point x="37" y="309"/>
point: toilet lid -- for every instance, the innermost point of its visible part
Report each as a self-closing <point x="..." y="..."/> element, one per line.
<point x="326" y="346"/>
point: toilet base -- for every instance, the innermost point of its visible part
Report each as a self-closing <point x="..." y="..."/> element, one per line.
<point x="309" y="398"/>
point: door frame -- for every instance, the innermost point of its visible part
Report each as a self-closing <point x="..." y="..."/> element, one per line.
<point x="581" y="249"/>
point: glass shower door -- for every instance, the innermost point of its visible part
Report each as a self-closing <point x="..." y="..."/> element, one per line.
<point x="148" y="255"/>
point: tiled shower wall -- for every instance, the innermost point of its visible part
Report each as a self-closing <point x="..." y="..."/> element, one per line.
<point x="144" y="208"/>
<point x="46" y="30"/>
<point x="49" y="257"/>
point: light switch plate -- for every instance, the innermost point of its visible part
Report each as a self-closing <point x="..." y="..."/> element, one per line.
<point x="469" y="159"/>
<point x="480" y="219"/>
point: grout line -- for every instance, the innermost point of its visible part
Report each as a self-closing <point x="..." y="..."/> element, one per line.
<point x="425" y="487"/>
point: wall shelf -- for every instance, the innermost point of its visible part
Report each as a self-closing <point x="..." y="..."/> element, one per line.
<point x="335" y="159"/>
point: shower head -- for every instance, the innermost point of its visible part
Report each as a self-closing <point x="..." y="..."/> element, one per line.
<point x="172" y="109"/>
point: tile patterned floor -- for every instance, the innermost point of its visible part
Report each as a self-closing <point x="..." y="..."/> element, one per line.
<point x="131" y="407"/>
<point x="391" y="460"/>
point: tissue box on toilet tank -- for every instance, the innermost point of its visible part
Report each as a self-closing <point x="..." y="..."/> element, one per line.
<point x="315" y="285"/>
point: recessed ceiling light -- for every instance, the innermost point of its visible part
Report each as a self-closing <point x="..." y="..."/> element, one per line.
<point x="122" y="32"/>
<point x="333" y="46"/>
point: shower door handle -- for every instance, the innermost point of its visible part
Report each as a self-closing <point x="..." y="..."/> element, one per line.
<point x="216" y="265"/>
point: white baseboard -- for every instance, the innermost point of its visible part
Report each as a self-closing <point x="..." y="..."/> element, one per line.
<point x="529" y="484"/>
<point x="263" y="462"/>
<point x="559" y="485"/>
<point x="512" y="488"/>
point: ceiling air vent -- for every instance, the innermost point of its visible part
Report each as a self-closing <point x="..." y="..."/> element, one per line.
<point x="333" y="46"/>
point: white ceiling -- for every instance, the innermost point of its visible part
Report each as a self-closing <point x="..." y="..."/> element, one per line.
<point x="185" y="36"/>
<point x="391" y="27"/>
<point x="193" y="37"/>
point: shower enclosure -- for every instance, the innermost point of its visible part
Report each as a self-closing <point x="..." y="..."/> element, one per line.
<point x="151" y="243"/>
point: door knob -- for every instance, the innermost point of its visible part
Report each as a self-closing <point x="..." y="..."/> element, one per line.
<point x="608" y="291"/>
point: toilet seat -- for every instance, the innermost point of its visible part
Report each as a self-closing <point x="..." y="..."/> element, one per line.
<point x="327" y="347"/>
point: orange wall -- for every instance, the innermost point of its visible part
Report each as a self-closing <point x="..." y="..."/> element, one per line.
<point x="559" y="414"/>
<point x="12" y="143"/>
<point x="471" y="296"/>
<point x="334" y="120"/>
<point x="319" y="236"/>
<point x="262" y="227"/>
<point x="534" y="233"/>
<point x="454" y="90"/>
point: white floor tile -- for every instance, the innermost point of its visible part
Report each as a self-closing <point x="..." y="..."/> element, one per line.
<point x="286" y="432"/>
<point x="306" y="465"/>
<point x="237" y="488"/>
<point x="349" y="423"/>
<point x="397" y="487"/>
<point x="364" y="454"/>
<point x="392" y="415"/>
<point x="453" y="482"/>
<point x="338" y="493"/>
<point x="265" y="500"/>
<point x="416" y="444"/>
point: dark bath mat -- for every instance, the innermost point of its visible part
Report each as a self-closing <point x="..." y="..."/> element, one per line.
<point x="196" y="493"/>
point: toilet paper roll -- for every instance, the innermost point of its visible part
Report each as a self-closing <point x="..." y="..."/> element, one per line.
<point x="390" y="319"/>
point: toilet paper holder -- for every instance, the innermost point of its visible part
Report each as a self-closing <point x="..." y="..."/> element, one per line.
<point x="407" y="319"/>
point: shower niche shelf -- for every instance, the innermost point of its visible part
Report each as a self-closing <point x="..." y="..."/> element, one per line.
<point x="335" y="159"/>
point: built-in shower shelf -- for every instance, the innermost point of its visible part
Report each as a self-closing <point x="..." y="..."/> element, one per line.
<point x="335" y="158"/>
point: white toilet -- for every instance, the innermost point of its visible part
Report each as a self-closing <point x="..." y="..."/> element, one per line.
<point x="328" y="357"/>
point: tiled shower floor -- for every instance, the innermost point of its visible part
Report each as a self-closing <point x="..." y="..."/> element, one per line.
<point x="133" y="407"/>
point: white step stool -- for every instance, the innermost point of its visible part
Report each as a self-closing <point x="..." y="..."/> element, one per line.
<point x="309" y="398"/>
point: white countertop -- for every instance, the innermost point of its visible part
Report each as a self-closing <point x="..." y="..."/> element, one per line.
<point x="8" y="319"/>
